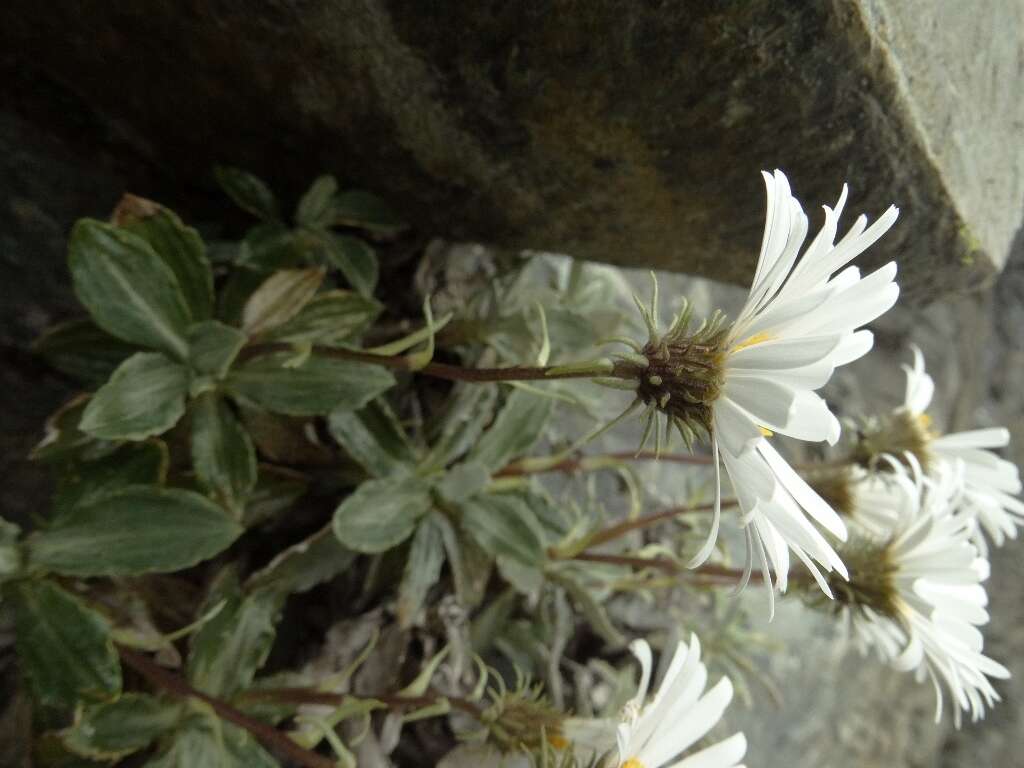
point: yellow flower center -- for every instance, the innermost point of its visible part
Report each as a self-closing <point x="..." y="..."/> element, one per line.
<point x="557" y="741"/>
<point x="632" y="763"/>
<point x="757" y="338"/>
<point x="766" y="432"/>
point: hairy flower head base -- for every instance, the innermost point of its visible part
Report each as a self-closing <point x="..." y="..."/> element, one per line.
<point x="917" y="598"/>
<point x="653" y="734"/>
<point x="743" y="382"/>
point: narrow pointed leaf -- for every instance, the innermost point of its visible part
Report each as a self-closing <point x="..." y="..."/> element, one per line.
<point x="82" y="349"/>
<point x="503" y="525"/>
<point x="181" y="248"/>
<point x="64" y="647"/>
<point x="249" y="192"/>
<point x="354" y="208"/>
<point x="84" y="482"/>
<point x="517" y="428"/>
<point x="280" y="298"/>
<point x="381" y="513"/>
<point x="316" y="208"/>
<point x="228" y="651"/>
<point x="317" y="387"/>
<point x="127" y="288"/>
<point x="139" y="529"/>
<point x="329" y="319"/>
<point x="144" y="397"/>
<point x="114" y="729"/>
<point x="222" y="453"/>
<point x="302" y="566"/>
<point x="354" y="258"/>
<point x="374" y="438"/>
<point x="422" y="569"/>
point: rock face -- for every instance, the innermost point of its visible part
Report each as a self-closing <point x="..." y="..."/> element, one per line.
<point x="613" y="130"/>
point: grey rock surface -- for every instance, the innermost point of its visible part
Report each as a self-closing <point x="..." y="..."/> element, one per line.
<point x="610" y="130"/>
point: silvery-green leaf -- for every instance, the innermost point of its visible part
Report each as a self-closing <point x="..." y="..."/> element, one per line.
<point x="491" y="621"/>
<point x="354" y="258"/>
<point x="316" y="208"/>
<point x="213" y="346"/>
<point x="280" y="298"/>
<point x="63" y="439"/>
<point x="111" y="730"/>
<point x="82" y="349"/>
<point x="144" y="397"/>
<point x="469" y="410"/>
<point x="248" y="192"/>
<point x="276" y="490"/>
<point x="329" y="319"/>
<point x="302" y="566"/>
<point x="374" y="438"/>
<point x="470" y="565"/>
<point x="381" y="513"/>
<point x="127" y="288"/>
<point x="181" y="248"/>
<point x="317" y="387"/>
<point x="222" y="453"/>
<point x="592" y="609"/>
<point x="527" y="579"/>
<point x="422" y="569"/>
<point x="64" y="647"/>
<point x="228" y="650"/>
<point x="503" y="525"/>
<point x="242" y="282"/>
<point x="271" y="246"/>
<point x="518" y="426"/>
<point x="204" y="740"/>
<point x="463" y="481"/>
<point x="354" y="208"/>
<point x="83" y="481"/>
<point x="139" y="529"/>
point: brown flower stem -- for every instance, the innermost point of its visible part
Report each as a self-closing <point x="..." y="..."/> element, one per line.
<point x="620" y="529"/>
<point x="314" y="696"/>
<point x="443" y="370"/>
<point x="712" y="573"/>
<point x="269" y="736"/>
<point x="535" y="466"/>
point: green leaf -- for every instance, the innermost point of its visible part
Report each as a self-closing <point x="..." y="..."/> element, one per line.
<point x="139" y="529"/>
<point x="181" y="248"/>
<point x="316" y="208"/>
<point x="469" y="410"/>
<point x="463" y="481"/>
<point x="205" y="741"/>
<point x="276" y="490"/>
<point x="422" y="569"/>
<point x="329" y="319"/>
<point x="272" y="246"/>
<point x="10" y="552"/>
<point x="84" y="482"/>
<point x="280" y="298"/>
<point x="129" y="290"/>
<point x="302" y="566"/>
<point x="118" y="728"/>
<point x="228" y="651"/>
<point x="63" y="438"/>
<point x="354" y="258"/>
<point x="374" y="438"/>
<point x="82" y="349"/>
<point x="518" y="426"/>
<point x="213" y="347"/>
<point x="64" y="647"/>
<point x="222" y="453"/>
<point x="470" y="564"/>
<point x="364" y="210"/>
<point x="249" y="193"/>
<point x="381" y="513"/>
<point x="318" y="386"/>
<point x="592" y="608"/>
<point x="144" y="397"/>
<point x="503" y="525"/>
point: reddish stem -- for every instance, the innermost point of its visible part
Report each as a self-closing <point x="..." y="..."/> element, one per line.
<point x="620" y="529"/>
<point x="268" y="735"/>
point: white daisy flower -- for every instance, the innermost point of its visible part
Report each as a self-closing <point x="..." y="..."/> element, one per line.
<point x="656" y="733"/>
<point x="990" y="482"/>
<point x="918" y="600"/>
<point x="742" y="382"/>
